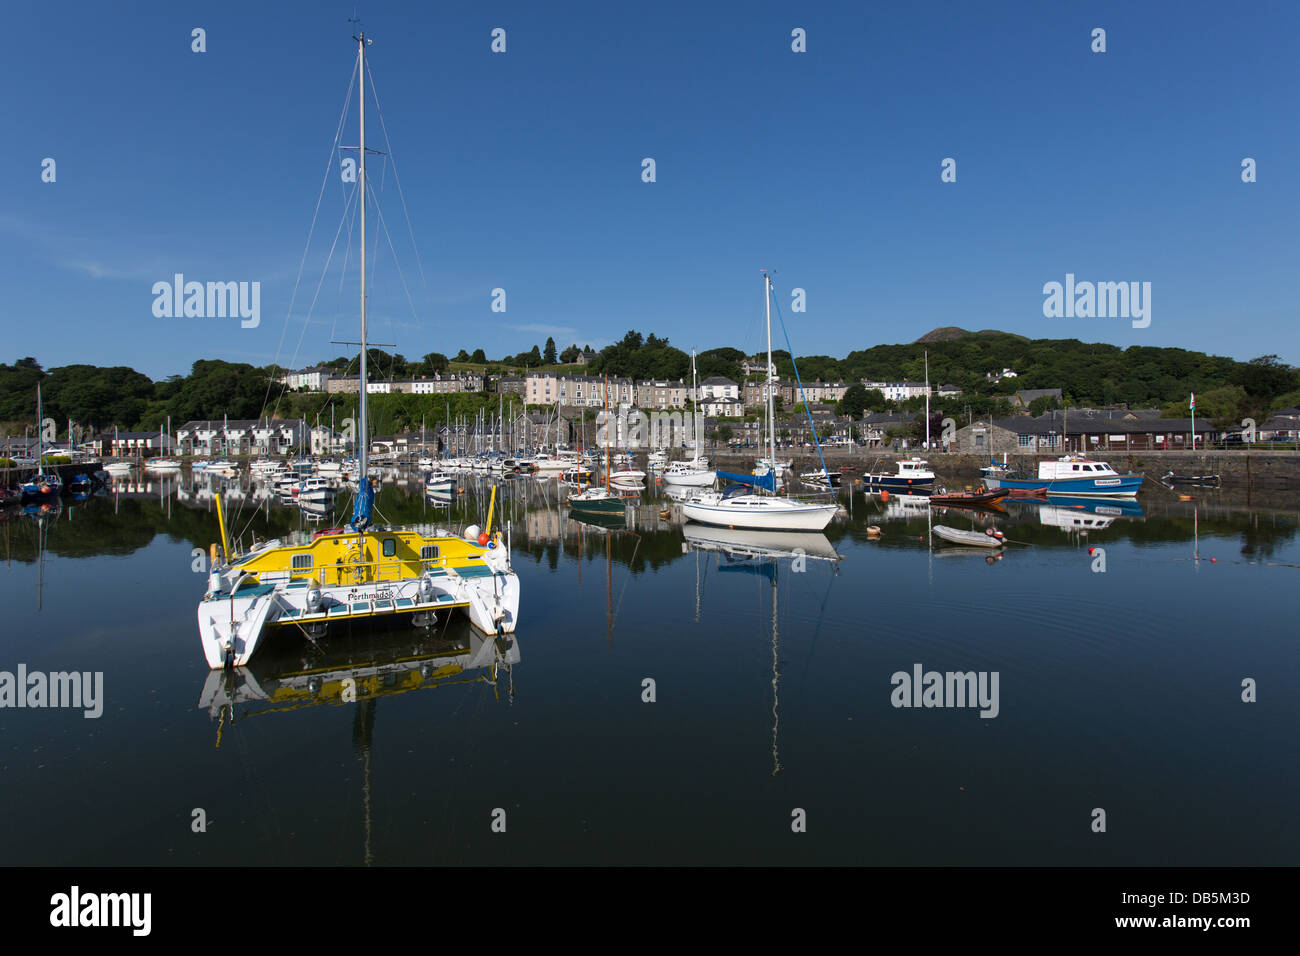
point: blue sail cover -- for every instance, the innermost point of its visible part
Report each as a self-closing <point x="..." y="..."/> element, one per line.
<point x="365" y="501"/>
<point x="767" y="481"/>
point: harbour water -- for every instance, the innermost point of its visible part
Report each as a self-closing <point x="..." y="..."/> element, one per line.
<point x="1120" y="638"/>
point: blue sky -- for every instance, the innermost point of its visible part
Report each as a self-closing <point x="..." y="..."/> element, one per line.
<point x="522" y="171"/>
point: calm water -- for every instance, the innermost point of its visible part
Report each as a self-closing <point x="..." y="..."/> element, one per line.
<point x="1118" y="690"/>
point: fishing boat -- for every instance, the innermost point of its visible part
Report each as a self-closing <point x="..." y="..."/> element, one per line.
<point x="1072" y="475"/>
<point x="911" y="474"/>
<point x="990" y="538"/>
<point x="739" y="506"/>
<point x="315" y="490"/>
<point x="440" y="479"/>
<point x="362" y="571"/>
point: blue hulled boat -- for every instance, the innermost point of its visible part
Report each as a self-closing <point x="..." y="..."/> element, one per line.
<point x="1071" y="475"/>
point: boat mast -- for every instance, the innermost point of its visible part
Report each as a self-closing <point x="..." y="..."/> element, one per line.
<point x="927" y="403"/>
<point x="771" y="423"/>
<point x="361" y="182"/>
<point x="365" y="495"/>
<point x="695" y="411"/>
<point x="606" y="434"/>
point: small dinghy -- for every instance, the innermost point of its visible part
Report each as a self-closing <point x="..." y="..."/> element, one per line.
<point x="990" y="538"/>
<point x="1173" y="479"/>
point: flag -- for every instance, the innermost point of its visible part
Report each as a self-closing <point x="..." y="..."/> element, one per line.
<point x="1193" y="401"/>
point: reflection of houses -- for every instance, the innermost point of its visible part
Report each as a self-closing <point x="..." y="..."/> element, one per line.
<point x="1083" y="430"/>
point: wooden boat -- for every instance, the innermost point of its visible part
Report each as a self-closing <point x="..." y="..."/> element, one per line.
<point x="969" y="497"/>
<point x="991" y="538"/>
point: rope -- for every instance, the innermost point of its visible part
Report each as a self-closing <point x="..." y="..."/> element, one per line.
<point x="826" y="471"/>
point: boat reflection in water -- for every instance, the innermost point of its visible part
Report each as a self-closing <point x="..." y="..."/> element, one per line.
<point x="740" y="545"/>
<point x="761" y="552"/>
<point x="291" y="674"/>
<point x="1082" y="514"/>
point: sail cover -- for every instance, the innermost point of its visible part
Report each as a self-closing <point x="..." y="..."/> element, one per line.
<point x="767" y="481"/>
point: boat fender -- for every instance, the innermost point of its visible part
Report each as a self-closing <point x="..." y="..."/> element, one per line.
<point x="212" y="553"/>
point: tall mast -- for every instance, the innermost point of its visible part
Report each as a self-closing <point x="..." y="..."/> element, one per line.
<point x="361" y="183"/>
<point x="771" y="413"/>
<point x="695" y="410"/>
<point x="927" y="401"/>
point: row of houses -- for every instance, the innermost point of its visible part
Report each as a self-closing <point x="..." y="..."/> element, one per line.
<point x="716" y="396"/>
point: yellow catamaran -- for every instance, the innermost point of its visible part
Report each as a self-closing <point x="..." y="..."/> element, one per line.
<point x="361" y="571"/>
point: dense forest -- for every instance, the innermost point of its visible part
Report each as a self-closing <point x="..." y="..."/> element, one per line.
<point x="1089" y="374"/>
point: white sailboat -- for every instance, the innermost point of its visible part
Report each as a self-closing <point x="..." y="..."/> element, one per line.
<point x="361" y="571"/>
<point x="696" y="472"/>
<point x="739" y="507"/>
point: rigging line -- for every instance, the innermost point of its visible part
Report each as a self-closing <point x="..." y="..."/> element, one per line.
<point x="397" y="265"/>
<point x="621" y="593"/>
<point x="374" y="93"/>
<point x="338" y="133"/>
<point x="807" y="410"/>
<point x="316" y="297"/>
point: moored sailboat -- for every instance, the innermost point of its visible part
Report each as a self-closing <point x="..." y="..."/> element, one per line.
<point x="740" y="507"/>
<point x="361" y="571"/>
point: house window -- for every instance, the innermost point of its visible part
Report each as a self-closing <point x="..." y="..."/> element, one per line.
<point x="1026" y="441"/>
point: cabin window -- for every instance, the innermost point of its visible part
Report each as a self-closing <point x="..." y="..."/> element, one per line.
<point x="300" y="562"/>
<point x="429" y="552"/>
<point x="1074" y="467"/>
<point x="390" y="547"/>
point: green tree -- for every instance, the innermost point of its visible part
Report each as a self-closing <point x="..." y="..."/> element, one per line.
<point x="548" y="356"/>
<point x="855" y="401"/>
<point x="478" y="358"/>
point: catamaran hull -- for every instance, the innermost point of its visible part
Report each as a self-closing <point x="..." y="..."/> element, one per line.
<point x="231" y="628"/>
